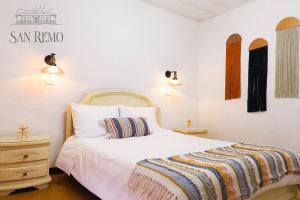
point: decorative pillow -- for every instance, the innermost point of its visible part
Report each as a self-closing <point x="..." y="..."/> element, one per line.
<point x="126" y="127"/>
<point x="148" y="113"/>
<point x="86" y="119"/>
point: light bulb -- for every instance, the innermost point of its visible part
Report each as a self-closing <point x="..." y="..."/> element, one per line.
<point x="53" y="69"/>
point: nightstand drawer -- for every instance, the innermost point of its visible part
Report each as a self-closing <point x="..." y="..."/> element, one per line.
<point x="22" y="173"/>
<point x="23" y="155"/>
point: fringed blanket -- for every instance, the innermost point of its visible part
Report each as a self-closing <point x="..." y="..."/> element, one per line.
<point x="228" y="173"/>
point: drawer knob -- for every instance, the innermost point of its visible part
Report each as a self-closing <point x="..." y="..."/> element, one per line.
<point x="25" y="174"/>
<point x="25" y="156"/>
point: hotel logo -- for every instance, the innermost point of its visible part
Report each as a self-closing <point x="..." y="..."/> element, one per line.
<point x="36" y="16"/>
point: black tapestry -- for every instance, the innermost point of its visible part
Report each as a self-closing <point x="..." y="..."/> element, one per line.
<point x="257" y="79"/>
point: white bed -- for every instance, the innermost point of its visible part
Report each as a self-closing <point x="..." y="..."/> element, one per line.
<point x="104" y="166"/>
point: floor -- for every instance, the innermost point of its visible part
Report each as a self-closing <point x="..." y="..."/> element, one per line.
<point x="62" y="187"/>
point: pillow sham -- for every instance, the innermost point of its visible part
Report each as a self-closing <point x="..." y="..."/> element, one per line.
<point x="126" y="127"/>
<point x="86" y="119"/>
<point x="148" y="113"/>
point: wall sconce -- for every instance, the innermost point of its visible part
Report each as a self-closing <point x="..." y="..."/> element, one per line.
<point x="52" y="70"/>
<point x="173" y="81"/>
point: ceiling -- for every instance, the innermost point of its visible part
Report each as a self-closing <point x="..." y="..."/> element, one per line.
<point x="198" y="9"/>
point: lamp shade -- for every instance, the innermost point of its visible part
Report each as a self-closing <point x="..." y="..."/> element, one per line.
<point x="52" y="70"/>
<point x="175" y="82"/>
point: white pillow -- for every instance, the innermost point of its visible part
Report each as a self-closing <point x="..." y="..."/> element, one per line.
<point x="86" y="119"/>
<point x="149" y="113"/>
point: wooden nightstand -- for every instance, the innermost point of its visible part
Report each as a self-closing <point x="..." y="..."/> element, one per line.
<point x="199" y="132"/>
<point x="24" y="163"/>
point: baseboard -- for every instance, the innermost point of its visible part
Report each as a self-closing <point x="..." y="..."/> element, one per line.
<point x="55" y="170"/>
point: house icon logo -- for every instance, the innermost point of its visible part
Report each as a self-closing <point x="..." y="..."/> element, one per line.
<point x="36" y="16"/>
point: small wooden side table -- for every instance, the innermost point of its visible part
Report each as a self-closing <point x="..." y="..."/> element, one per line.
<point x="24" y="163"/>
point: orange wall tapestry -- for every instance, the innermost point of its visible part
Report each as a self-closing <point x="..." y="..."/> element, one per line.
<point x="233" y="67"/>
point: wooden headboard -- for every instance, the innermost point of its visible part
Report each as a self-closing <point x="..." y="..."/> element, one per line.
<point x="109" y="98"/>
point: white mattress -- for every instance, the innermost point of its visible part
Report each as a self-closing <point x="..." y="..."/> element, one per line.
<point x="104" y="166"/>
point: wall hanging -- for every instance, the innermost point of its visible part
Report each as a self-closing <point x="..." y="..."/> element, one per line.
<point x="287" y="58"/>
<point x="257" y="75"/>
<point x="233" y="67"/>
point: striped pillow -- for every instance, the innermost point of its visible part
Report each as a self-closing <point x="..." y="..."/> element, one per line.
<point x="126" y="127"/>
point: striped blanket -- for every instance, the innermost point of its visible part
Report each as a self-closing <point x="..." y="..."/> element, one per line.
<point x="228" y="173"/>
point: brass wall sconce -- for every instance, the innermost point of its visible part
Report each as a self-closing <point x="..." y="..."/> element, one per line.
<point x="173" y="81"/>
<point x="52" y="70"/>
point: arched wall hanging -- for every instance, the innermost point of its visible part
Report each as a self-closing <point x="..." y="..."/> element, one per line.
<point x="287" y="58"/>
<point x="233" y="67"/>
<point x="257" y="75"/>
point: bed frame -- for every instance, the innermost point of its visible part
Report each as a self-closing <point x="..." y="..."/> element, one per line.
<point x="109" y="98"/>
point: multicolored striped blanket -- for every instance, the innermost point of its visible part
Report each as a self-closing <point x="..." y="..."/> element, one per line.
<point x="228" y="173"/>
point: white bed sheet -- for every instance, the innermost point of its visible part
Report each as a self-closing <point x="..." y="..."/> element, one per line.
<point x="104" y="166"/>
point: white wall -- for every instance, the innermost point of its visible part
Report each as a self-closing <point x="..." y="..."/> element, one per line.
<point x="109" y="44"/>
<point x="229" y="120"/>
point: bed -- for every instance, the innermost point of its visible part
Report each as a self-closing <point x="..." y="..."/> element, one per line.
<point x="104" y="166"/>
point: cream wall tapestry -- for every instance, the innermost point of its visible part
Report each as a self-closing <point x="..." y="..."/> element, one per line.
<point x="257" y="75"/>
<point x="233" y="67"/>
<point x="287" y="58"/>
